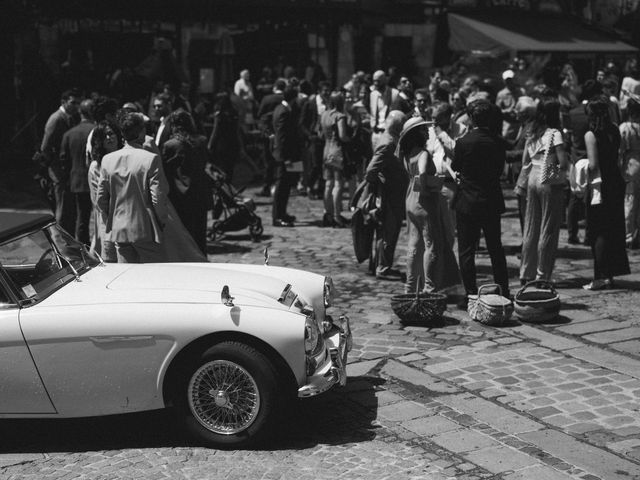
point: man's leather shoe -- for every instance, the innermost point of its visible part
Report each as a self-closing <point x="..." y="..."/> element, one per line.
<point x="391" y="274"/>
<point x="278" y="222"/>
<point x="289" y="218"/>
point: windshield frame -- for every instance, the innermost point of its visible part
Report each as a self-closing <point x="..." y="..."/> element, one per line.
<point x="55" y="280"/>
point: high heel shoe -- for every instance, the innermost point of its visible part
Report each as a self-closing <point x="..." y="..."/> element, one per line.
<point x="599" y="284"/>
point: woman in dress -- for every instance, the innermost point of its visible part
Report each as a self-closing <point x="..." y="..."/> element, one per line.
<point x="333" y="122"/>
<point x="630" y="156"/>
<point x="605" y="208"/>
<point x="184" y="158"/>
<point x="431" y="264"/>
<point x="105" y="138"/>
<point x="543" y="215"/>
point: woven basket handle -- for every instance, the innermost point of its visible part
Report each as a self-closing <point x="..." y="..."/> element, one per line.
<point x="545" y="284"/>
<point x="487" y="286"/>
<point x="493" y="285"/>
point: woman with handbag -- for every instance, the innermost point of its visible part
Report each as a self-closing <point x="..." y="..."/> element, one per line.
<point x="605" y="205"/>
<point x="334" y="130"/>
<point x="630" y="156"/>
<point x="545" y="157"/>
<point x="429" y="254"/>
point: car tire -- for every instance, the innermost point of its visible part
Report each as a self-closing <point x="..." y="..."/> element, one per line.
<point x="228" y="397"/>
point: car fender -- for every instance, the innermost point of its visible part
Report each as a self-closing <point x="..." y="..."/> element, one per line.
<point x="108" y="359"/>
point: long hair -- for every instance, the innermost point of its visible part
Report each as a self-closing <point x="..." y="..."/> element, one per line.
<point x="182" y="125"/>
<point x="598" y="114"/>
<point x="99" y="136"/>
<point x="547" y="116"/>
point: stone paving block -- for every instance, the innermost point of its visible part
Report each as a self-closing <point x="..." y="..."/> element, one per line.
<point x="548" y="340"/>
<point x="416" y="377"/>
<point x="583" y="328"/>
<point x="430" y="426"/>
<point x="583" y="427"/>
<point x="610" y="360"/>
<point x="497" y="416"/>
<point x="537" y="472"/>
<point x="580" y="315"/>
<point x="464" y="441"/>
<point x="7" y="459"/>
<point x="500" y="459"/>
<point x="404" y="410"/>
<point x="614" y="335"/>
<point x="631" y="346"/>
<point x="624" y="446"/>
<point x="360" y="369"/>
<point x="591" y="459"/>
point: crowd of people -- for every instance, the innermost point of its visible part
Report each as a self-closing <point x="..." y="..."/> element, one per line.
<point x="438" y="157"/>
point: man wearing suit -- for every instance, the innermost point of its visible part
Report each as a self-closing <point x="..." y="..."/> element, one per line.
<point x="265" y="122"/>
<point x="163" y="106"/>
<point x="387" y="171"/>
<point x="74" y="167"/>
<point x="286" y="149"/>
<point x="58" y="123"/>
<point x="132" y="196"/>
<point x="479" y="159"/>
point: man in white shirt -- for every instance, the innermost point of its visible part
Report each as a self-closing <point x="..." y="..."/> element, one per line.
<point x="380" y="100"/>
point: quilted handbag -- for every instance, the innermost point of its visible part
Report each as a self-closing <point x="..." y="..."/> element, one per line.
<point x="490" y="308"/>
<point x="537" y="301"/>
<point x="550" y="173"/>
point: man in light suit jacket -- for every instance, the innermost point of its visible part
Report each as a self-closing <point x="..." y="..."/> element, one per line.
<point x="132" y="196"/>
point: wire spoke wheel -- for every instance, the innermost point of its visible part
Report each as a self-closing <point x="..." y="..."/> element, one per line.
<point x="223" y="397"/>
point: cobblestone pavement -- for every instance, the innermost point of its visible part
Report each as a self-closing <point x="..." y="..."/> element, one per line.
<point x="463" y="401"/>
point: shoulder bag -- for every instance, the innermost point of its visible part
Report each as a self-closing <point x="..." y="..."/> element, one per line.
<point x="551" y="173"/>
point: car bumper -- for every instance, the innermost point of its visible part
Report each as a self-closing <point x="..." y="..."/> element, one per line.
<point x="334" y="369"/>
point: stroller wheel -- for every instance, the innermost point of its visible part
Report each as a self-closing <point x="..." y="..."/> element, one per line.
<point x="256" y="230"/>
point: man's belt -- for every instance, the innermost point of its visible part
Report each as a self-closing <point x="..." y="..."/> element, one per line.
<point x="378" y="130"/>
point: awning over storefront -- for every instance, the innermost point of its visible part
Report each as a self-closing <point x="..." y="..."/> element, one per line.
<point x="503" y="32"/>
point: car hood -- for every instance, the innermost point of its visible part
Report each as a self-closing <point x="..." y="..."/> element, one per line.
<point x="170" y="283"/>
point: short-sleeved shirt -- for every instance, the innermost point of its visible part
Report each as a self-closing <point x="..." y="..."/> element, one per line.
<point x="537" y="148"/>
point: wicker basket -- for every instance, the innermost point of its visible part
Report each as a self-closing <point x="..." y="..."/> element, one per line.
<point x="490" y="308"/>
<point x="537" y="301"/>
<point x="419" y="308"/>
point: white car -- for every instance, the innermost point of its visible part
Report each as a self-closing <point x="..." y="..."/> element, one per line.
<point x="224" y="344"/>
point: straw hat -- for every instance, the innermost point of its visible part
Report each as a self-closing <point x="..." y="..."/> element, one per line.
<point x="413" y="122"/>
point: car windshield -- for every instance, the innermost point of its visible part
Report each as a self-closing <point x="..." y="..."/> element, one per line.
<point x="40" y="262"/>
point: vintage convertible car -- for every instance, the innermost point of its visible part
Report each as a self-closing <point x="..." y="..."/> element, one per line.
<point x="225" y="345"/>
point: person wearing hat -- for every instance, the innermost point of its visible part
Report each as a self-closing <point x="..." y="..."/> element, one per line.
<point x="387" y="173"/>
<point x="479" y="159"/>
<point x="431" y="264"/>
<point x="380" y="100"/>
<point x="506" y="100"/>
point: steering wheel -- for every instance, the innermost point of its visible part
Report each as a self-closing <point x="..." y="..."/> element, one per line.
<point x="47" y="262"/>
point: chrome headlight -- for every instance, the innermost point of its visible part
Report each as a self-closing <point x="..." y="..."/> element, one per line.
<point x="313" y="341"/>
<point x="328" y="292"/>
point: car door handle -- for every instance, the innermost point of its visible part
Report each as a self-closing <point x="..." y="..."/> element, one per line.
<point x="120" y="338"/>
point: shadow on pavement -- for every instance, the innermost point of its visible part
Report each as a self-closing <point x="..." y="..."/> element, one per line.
<point x="574" y="253"/>
<point x="114" y="432"/>
<point x="220" y="248"/>
<point x="338" y="417"/>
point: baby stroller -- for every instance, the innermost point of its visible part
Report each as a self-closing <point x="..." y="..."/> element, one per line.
<point x="230" y="212"/>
